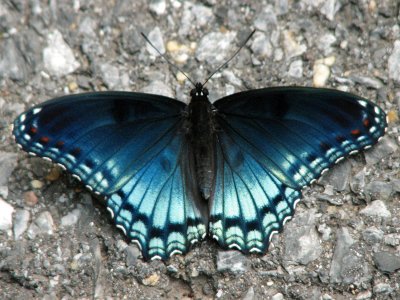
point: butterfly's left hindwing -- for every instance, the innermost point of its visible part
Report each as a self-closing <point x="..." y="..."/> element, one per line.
<point x="130" y="148"/>
<point x="273" y="142"/>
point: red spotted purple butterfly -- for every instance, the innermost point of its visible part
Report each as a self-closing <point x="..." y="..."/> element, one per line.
<point x="174" y="173"/>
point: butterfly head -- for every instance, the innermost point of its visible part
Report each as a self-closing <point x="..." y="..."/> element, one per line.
<point x="199" y="90"/>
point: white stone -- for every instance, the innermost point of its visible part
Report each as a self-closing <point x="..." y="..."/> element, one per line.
<point x="296" y="69"/>
<point x="71" y="218"/>
<point x="21" y="219"/>
<point x="394" y="62"/>
<point x="321" y="74"/>
<point x="6" y="211"/>
<point x="376" y="208"/>
<point x="58" y="57"/>
<point x="292" y="45"/>
<point x="159" y="7"/>
<point x="278" y="296"/>
<point x="155" y="36"/>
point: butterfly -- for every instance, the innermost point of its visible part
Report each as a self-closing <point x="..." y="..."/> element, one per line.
<point x="174" y="173"/>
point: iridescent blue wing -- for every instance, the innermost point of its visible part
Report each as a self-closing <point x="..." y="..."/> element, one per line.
<point x="131" y="148"/>
<point x="273" y="142"/>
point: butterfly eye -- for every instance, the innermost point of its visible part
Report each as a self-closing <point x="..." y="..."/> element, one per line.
<point x="205" y="91"/>
<point x="193" y="92"/>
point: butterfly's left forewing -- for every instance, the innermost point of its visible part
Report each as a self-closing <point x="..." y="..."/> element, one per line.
<point x="273" y="142"/>
<point x="129" y="147"/>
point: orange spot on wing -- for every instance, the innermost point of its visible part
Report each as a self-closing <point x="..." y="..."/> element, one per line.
<point x="356" y="132"/>
<point x="44" y="139"/>
<point x="33" y="130"/>
<point x="59" y="144"/>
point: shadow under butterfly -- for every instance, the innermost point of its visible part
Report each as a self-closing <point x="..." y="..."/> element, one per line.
<point x="174" y="173"/>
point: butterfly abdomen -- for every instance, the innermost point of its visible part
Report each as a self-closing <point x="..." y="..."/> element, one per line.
<point x="202" y="142"/>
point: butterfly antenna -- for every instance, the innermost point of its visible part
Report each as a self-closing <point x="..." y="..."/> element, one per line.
<point x="234" y="54"/>
<point x="167" y="60"/>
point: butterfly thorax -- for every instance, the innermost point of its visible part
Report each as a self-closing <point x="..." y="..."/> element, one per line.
<point x="201" y="136"/>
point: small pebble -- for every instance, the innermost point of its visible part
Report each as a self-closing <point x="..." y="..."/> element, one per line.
<point x="59" y="59"/>
<point x="71" y="218"/>
<point x="37" y="184"/>
<point x="72" y="86"/>
<point x="278" y="296"/>
<point x="365" y="295"/>
<point x="155" y="36"/>
<point x="159" y="7"/>
<point x="392" y="116"/>
<point x="376" y="208"/>
<point x="152" y="280"/>
<point x="54" y="174"/>
<point x="30" y="198"/>
<point x="321" y="73"/>
<point x="180" y="77"/>
<point x="394" y="62"/>
<point x="6" y="211"/>
<point x="250" y="294"/>
<point x="21" y="219"/>
<point x="179" y="52"/>
<point x="296" y="69"/>
<point x="291" y="45"/>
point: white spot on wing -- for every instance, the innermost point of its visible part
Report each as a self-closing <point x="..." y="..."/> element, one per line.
<point x="295" y="203"/>
<point x="231" y="246"/>
<point x="324" y="171"/>
<point x="255" y="250"/>
<point x="175" y="252"/>
<point x="36" y="110"/>
<point x="62" y="166"/>
<point x="363" y="103"/>
<point x="339" y="160"/>
<point x="122" y="228"/>
<point x="353" y="152"/>
<point x="111" y="212"/>
<point x="76" y="176"/>
<point x="137" y="243"/>
<point x="286" y="219"/>
<point x="272" y="234"/>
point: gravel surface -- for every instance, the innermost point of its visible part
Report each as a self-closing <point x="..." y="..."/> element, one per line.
<point x="57" y="240"/>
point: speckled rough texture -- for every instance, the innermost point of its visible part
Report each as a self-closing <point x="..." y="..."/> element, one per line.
<point x="57" y="240"/>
